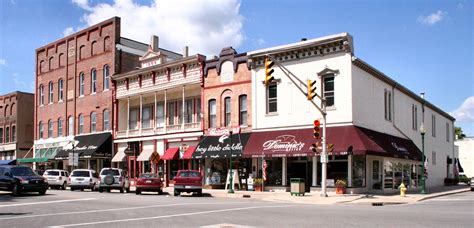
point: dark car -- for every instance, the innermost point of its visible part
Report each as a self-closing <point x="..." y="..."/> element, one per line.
<point x="149" y="182"/>
<point x="18" y="179"/>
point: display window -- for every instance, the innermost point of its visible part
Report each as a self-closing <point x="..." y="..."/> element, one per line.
<point x="358" y="171"/>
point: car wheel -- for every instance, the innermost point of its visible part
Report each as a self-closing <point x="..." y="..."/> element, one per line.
<point x="160" y="192"/>
<point x="122" y="189"/>
<point x="63" y="187"/>
<point x="101" y="190"/>
<point x="176" y="193"/>
<point x="199" y="193"/>
<point x="72" y="189"/>
<point x="82" y="189"/>
<point x="137" y="192"/>
<point x="42" y="192"/>
<point x="16" y="190"/>
<point x="127" y="190"/>
<point x="93" y="188"/>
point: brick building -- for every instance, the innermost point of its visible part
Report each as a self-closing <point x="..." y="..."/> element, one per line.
<point x="74" y="94"/>
<point x="227" y="94"/>
<point x="16" y="125"/>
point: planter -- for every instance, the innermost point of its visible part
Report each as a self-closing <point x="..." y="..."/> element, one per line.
<point x="340" y="190"/>
<point x="258" y="188"/>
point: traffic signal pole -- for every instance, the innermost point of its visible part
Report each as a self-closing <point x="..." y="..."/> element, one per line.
<point x="322" y="110"/>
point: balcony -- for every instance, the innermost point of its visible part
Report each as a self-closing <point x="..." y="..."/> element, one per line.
<point x="159" y="130"/>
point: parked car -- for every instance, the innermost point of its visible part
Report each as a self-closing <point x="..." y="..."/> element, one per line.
<point x="18" y="179"/>
<point x="472" y="183"/>
<point x="114" y="178"/>
<point x="464" y="179"/>
<point x="149" y="182"/>
<point x="57" y="178"/>
<point x="83" y="179"/>
<point x="189" y="181"/>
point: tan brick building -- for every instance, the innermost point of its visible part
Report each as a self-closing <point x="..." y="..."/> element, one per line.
<point x="16" y="125"/>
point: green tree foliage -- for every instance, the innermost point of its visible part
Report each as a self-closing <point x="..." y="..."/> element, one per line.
<point x="458" y="133"/>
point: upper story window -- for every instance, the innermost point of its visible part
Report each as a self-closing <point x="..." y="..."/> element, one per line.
<point x="146" y="116"/>
<point x="7" y="135"/>
<point x="160" y="114"/>
<point x="433" y="158"/>
<point x="40" y="129"/>
<point x="41" y="95"/>
<point x="82" y="52"/>
<point x="272" y="98"/>
<point x="106" y="120"/>
<point x="60" y="89"/>
<point x="50" y="63"/>
<point x="13" y="133"/>
<point x="433" y="125"/>
<point x="61" y="60"/>
<point x="50" y="128"/>
<point x="188" y="111"/>
<point x="447" y="132"/>
<point x="227" y="111"/>
<point x="106" y="78"/>
<point x="93" y="81"/>
<point x="198" y="109"/>
<point x="81" y="84"/>
<point x="50" y="98"/>
<point x="5" y="112"/>
<point x="212" y="114"/>
<point x="81" y="124"/>
<point x="243" y="110"/>
<point x="94" y="48"/>
<point x="107" y="43"/>
<point x="70" y="125"/>
<point x="171" y="113"/>
<point x="388" y="105"/>
<point x="93" y="122"/>
<point x="414" y="117"/>
<point x="60" y="127"/>
<point x="12" y="110"/>
<point x="1" y="135"/>
<point x="133" y="119"/>
<point x="328" y="90"/>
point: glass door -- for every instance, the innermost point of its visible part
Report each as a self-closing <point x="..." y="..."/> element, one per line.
<point x="376" y="175"/>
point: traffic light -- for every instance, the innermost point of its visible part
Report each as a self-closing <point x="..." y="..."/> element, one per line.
<point x="268" y="71"/>
<point x="316" y="129"/>
<point x="311" y="89"/>
<point x="314" y="147"/>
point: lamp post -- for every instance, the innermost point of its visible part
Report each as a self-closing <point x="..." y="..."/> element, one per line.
<point x="231" y="189"/>
<point x="423" y="132"/>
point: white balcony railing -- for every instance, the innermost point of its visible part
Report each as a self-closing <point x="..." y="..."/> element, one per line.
<point x="159" y="130"/>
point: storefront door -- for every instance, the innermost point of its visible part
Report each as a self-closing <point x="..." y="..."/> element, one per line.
<point x="376" y="174"/>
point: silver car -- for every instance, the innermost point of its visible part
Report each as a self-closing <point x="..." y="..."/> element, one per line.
<point x="83" y="179"/>
<point x="57" y="178"/>
<point x="114" y="178"/>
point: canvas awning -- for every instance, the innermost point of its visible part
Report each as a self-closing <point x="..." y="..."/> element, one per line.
<point x="220" y="146"/>
<point x="145" y="155"/>
<point x="90" y="146"/>
<point x="188" y="154"/>
<point x="119" y="156"/>
<point x="171" y="154"/>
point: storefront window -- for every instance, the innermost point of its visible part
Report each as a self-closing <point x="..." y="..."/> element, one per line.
<point x="414" y="178"/>
<point x="358" y="171"/>
<point x="388" y="173"/>
<point x="216" y="172"/>
<point x="406" y="174"/>
<point x="274" y="172"/>
<point x="398" y="174"/>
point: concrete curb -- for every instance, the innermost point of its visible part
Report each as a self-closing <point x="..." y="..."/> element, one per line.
<point x="443" y="194"/>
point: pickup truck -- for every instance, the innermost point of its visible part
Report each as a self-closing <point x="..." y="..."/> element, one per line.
<point x="188" y="181"/>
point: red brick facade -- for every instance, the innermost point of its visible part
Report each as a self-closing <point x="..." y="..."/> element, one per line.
<point x="216" y="88"/>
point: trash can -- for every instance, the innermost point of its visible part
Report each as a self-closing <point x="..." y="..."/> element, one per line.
<point x="297" y="186"/>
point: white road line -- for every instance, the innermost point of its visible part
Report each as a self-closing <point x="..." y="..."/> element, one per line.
<point x="46" y="202"/>
<point x="170" y="216"/>
<point x="428" y="200"/>
<point x="113" y="209"/>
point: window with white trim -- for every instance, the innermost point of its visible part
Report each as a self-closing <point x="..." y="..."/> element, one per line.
<point x="188" y="111"/>
<point x="243" y="110"/>
<point x="212" y="113"/>
<point x="106" y="121"/>
<point x="70" y="123"/>
<point x="93" y="81"/>
<point x="160" y="114"/>
<point x="81" y="124"/>
<point x="106" y="73"/>
<point x="40" y="129"/>
<point x="272" y="98"/>
<point x="328" y="90"/>
<point x="41" y="95"/>
<point x="81" y="84"/>
<point x="60" y="127"/>
<point x="60" y="89"/>
<point x="93" y="122"/>
<point x="227" y="111"/>
<point x="146" y="116"/>
<point x="133" y="118"/>
<point x="50" y="128"/>
<point x="50" y="98"/>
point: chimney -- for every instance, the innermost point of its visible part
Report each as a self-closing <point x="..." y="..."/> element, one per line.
<point x="185" y="51"/>
<point x="154" y="43"/>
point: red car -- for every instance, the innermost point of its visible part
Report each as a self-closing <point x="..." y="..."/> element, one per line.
<point x="149" y="182"/>
<point x="188" y="181"/>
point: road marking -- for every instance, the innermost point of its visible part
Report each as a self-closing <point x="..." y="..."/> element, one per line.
<point x="449" y="200"/>
<point x="171" y="216"/>
<point x="113" y="209"/>
<point x="47" y="202"/>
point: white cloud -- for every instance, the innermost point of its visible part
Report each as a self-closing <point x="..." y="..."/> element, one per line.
<point x="260" y="41"/>
<point x="3" y="62"/>
<point x="465" y="113"/>
<point x="68" y="31"/>
<point x="206" y="26"/>
<point x="432" y="18"/>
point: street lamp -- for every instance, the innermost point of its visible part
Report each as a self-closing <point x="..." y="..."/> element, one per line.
<point x="231" y="189"/>
<point x="423" y="132"/>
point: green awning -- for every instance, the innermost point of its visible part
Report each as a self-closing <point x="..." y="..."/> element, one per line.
<point x="31" y="160"/>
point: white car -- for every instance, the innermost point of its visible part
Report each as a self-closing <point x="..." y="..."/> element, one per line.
<point x="57" y="178"/>
<point x="83" y="179"/>
<point x="114" y="178"/>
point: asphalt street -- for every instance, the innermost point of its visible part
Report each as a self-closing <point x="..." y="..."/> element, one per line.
<point x="92" y="209"/>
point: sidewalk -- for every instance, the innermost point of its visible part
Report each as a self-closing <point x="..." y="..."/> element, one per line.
<point x="315" y="198"/>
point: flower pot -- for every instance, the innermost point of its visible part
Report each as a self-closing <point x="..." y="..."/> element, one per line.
<point x="340" y="190"/>
<point x="258" y="188"/>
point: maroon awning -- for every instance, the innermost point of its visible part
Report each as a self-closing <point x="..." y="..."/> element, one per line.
<point x="171" y="154"/>
<point x="346" y="139"/>
<point x="188" y="154"/>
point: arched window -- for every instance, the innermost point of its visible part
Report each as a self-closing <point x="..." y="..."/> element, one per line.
<point x="40" y="128"/>
<point x="50" y="63"/>
<point x="41" y="65"/>
<point x="60" y="127"/>
<point x="60" y="89"/>
<point x="81" y="52"/>
<point x="50" y="128"/>
<point x="61" y="60"/>
<point x="93" y="81"/>
<point x="212" y="113"/>
<point x="107" y="43"/>
<point x="93" y="122"/>
<point x="243" y="110"/>
<point x="41" y="95"/>
<point x="50" y="96"/>
<point x="94" y="47"/>
<point x="106" y="121"/>
<point x="5" y="111"/>
<point x="70" y="125"/>
<point x="7" y="135"/>
<point x="81" y="124"/>
<point x="106" y="74"/>
<point x="12" y="110"/>
<point x="81" y="84"/>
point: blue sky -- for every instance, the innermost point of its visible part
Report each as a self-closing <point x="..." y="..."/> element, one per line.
<point x="426" y="46"/>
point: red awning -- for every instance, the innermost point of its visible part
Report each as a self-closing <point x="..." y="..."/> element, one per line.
<point x="171" y="154"/>
<point x="346" y="139"/>
<point x="188" y="154"/>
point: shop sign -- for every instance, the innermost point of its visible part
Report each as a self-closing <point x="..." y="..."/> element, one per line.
<point x="219" y="148"/>
<point x="283" y="143"/>
<point x="399" y="148"/>
<point x="222" y="131"/>
<point x="90" y="147"/>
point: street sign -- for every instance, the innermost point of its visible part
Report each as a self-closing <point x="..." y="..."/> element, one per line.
<point x="73" y="159"/>
<point x="155" y="158"/>
<point x="324" y="158"/>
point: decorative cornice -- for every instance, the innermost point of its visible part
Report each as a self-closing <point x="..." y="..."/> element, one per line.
<point x="227" y="54"/>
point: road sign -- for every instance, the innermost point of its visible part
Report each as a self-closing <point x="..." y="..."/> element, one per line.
<point x="330" y="147"/>
<point x="324" y="158"/>
<point x="155" y="158"/>
<point x="73" y="159"/>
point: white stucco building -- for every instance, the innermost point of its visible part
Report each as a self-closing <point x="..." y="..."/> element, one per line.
<point x="466" y="154"/>
<point x="372" y="120"/>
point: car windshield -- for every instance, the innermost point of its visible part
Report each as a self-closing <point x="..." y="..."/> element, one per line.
<point x="52" y="173"/>
<point x="148" y="175"/>
<point x="22" y="171"/>
<point x="113" y="172"/>
<point x="80" y="173"/>
<point x="189" y="174"/>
